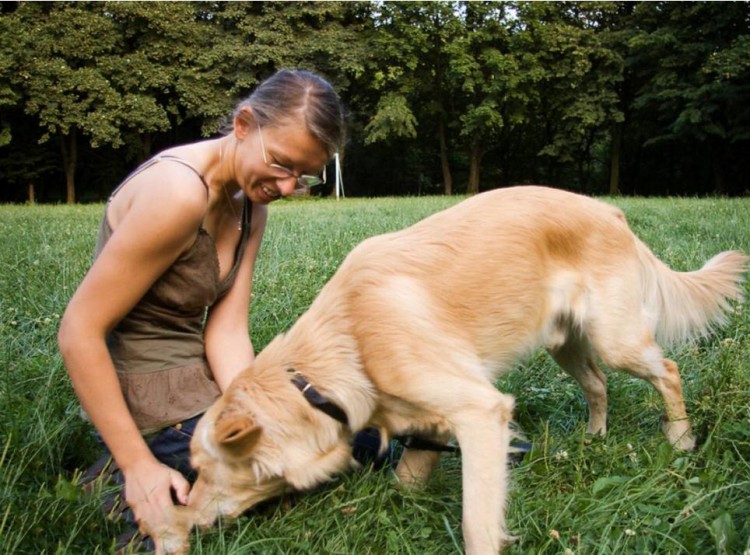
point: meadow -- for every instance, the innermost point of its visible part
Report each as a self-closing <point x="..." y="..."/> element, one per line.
<point x="572" y="494"/>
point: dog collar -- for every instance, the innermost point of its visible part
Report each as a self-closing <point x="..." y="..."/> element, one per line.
<point x="317" y="399"/>
<point x="324" y="404"/>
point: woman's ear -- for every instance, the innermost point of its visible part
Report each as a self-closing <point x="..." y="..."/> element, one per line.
<point x="244" y="122"/>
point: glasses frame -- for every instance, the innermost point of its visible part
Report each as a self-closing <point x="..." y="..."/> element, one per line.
<point x="303" y="182"/>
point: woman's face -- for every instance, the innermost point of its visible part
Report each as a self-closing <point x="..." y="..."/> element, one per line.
<point x="269" y="160"/>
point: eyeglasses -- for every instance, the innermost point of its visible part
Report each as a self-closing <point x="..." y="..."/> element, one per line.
<point x="303" y="182"/>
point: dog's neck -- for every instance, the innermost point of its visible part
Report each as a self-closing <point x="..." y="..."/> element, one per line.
<point x="327" y="358"/>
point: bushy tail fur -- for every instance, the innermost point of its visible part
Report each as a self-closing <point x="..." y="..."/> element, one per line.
<point x="690" y="305"/>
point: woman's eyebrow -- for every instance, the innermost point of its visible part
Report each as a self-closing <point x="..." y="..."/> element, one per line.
<point x="285" y="162"/>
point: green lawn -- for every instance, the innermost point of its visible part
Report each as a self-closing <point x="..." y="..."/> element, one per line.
<point x="628" y="493"/>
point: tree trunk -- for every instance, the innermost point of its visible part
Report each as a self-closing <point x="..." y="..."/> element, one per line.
<point x="68" y="145"/>
<point x="614" y="159"/>
<point x="32" y="193"/>
<point x="447" y="177"/>
<point x="475" y="161"/>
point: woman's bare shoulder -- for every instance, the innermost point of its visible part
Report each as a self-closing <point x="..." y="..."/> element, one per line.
<point x="165" y="188"/>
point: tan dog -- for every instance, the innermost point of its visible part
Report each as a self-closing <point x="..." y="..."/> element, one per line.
<point x="411" y="332"/>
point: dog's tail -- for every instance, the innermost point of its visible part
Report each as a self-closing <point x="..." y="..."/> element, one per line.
<point x="690" y="305"/>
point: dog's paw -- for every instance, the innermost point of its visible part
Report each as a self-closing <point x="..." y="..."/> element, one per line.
<point x="679" y="435"/>
<point x="172" y="546"/>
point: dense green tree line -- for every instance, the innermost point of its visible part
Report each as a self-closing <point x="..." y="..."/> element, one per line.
<point x="443" y="97"/>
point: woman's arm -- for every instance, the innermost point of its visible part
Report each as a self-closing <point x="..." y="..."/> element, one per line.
<point x="153" y="228"/>
<point x="229" y="349"/>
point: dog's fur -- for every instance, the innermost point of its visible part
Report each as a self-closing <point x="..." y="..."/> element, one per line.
<point x="410" y="333"/>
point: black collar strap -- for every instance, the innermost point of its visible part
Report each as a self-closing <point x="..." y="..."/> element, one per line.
<point x="323" y="404"/>
<point x="424" y="444"/>
<point x="316" y="398"/>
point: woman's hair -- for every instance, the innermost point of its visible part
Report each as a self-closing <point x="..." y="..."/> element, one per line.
<point x="291" y="94"/>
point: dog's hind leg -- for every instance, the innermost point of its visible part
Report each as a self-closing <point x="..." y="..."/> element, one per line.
<point x="574" y="356"/>
<point x="664" y="375"/>
<point x="639" y="355"/>
<point x="676" y="425"/>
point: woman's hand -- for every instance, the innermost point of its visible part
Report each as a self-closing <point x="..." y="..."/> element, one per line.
<point x="149" y="485"/>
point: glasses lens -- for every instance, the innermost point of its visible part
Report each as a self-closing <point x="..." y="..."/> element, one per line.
<point x="309" y="181"/>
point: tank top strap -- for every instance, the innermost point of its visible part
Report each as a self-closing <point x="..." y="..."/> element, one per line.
<point x="184" y="163"/>
<point x="156" y="159"/>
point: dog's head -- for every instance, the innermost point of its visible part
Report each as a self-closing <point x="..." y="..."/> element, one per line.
<point x="258" y="440"/>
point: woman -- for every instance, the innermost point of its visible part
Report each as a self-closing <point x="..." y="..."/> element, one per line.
<point x="158" y="327"/>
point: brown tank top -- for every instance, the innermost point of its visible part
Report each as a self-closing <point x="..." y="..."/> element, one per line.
<point x="158" y="348"/>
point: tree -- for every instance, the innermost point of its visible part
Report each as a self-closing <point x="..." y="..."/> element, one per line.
<point x="409" y="67"/>
<point x="578" y="75"/>
<point x="486" y="80"/>
<point x="107" y="70"/>
<point x="691" y="60"/>
<point x="8" y="96"/>
<point x="56" y="49"/>
<point x="166" y="69"/>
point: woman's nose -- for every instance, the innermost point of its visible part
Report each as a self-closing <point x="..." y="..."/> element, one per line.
<point x="286" y="185"/>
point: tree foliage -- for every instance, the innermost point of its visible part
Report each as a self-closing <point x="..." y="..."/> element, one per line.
<point x="646" y="97"/>
<point x="697" y="94"/>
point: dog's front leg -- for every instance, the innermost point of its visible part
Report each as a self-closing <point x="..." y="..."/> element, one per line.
<point x="171" y="538"/>
<point x="483" y="432"/>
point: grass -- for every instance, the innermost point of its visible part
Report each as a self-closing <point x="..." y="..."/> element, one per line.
<point x="626" y="493"/>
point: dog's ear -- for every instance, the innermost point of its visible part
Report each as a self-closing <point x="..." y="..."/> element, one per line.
<point x="237" y="432"/>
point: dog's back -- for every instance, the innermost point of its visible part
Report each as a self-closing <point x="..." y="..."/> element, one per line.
<point x="498" y="274"/>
